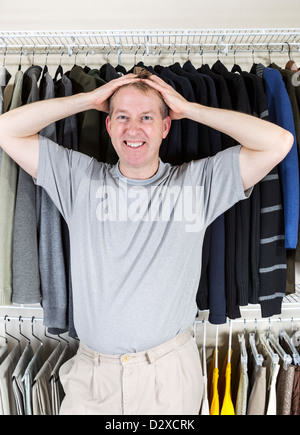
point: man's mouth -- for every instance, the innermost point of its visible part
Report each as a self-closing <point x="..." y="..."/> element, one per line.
<point x="134" y="144"/>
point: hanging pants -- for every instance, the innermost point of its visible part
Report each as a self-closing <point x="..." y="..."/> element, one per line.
<point x="166" y="380"/>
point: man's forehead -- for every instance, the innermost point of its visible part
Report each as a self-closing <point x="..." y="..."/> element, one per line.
<point x="130" y="92"/>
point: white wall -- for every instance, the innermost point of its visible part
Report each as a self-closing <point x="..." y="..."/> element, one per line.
<point x="120" y="14"/>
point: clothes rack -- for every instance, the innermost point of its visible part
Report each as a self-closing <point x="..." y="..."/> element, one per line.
<point x="153" y="42"/>
<point x="187" y="42"/>
<point x="161" y="41"/>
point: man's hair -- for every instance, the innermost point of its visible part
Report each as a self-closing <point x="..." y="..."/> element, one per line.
<point x="142" y="87"/>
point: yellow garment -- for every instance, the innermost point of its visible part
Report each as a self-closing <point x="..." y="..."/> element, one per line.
<point x="215" y="406"/>
<point x="213" y="385"/>
<point x="227" y="407"/>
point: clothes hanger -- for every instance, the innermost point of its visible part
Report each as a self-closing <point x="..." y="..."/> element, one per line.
<point x="202" y="54"/>
<point x="287" y="359"/>
<point x="48" y="336"/>
<point x="5" y="338"/>
<point x="33" y="55"/>
<point x="5" y="329"/>
<point x="258" y="358"/>
<point x="230" y="342"/>
<point x="32" y="333"/>
<point x="243" y="350"/>
<point x="265" y="341"/>
<point x="296" y="357"/>
<point x="244" y="355"/>
<point x="45" y="70"/>
<point x="20" y="331"/>
<point x="269" y="51"/>
<point x="205" y="403"/>
<point x="291" y="65"/>
<point x="63" y="339"/>
<point x="204" y="349"/>
<point x="20" y="61"/>
<point x="216" y="347"/>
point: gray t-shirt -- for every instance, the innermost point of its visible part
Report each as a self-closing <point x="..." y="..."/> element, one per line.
<point x="136" y="245"/>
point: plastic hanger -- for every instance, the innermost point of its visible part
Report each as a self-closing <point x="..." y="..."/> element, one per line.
<point x="205" y="404"/>
<point x="230" y="342"/>
<point x="244" y="356"/>
<point x="264" y="339"/>
<point x="216" y="347"/>
<point x="296" y="357"/>
<point x="259" y="359"/>
<point x="243" y="350"/>
<point x="204" y="349"/>
<point x="287" y="359"/>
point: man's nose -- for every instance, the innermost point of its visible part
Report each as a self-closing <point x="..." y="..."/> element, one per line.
<point x="133" y="127"/>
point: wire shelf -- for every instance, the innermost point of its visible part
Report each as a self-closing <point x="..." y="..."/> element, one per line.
<point x="150" y="41"/>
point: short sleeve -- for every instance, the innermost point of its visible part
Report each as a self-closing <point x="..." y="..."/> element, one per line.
<point x="221" y="180"/>
<point x="60" y="172"/>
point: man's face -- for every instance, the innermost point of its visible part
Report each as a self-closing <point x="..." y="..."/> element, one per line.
<point x="136" y="129"/>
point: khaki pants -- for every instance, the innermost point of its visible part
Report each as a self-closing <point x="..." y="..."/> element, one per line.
<point x="164" y="380"/>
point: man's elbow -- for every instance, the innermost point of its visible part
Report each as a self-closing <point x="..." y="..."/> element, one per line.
<point x="286" y="144"/>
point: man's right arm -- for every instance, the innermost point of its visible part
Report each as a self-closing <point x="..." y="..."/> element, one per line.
<point x="19" y="127"/>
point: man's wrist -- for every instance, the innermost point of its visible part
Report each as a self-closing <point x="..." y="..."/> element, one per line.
<point x="193" y="111"/>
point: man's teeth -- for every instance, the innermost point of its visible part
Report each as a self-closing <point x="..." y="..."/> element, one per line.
<point x="134" y="144"/>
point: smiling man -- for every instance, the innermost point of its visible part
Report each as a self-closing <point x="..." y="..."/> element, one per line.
<point x="138" y="121"/>
<point x="135" y="267"/>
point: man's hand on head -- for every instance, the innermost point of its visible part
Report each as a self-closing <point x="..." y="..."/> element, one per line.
<point x="100" y="96"/>
<point x="176" y="102"/>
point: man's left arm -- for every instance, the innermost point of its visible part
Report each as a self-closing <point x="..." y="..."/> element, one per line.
<point x="264" y="144"/>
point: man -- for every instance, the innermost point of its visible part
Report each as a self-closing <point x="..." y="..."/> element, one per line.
<point x="136" y="232"/>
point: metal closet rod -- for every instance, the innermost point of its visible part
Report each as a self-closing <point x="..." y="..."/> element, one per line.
<point x="8" y="317"/>
<point x="148" y="49"/>
<point x="255" y="320"/>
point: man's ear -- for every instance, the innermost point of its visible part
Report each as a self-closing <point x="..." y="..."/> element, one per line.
<point x="166" y="126"/>
<point x="107" y="123"/>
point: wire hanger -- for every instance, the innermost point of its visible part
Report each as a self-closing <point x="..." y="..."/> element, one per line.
<point x="32" y="333"/>
<point x="5" y="329"/>
<point x="20" y="61"/>
<point x="291" y="65"/>
<point x="20" y="331"/>
<point x="48" y="336"/>
<point x="63" y="339"/>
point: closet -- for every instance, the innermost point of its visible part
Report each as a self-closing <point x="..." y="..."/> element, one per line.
<point x="249" y="267"/>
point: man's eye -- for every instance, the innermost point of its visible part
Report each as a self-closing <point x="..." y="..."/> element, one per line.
<point x="122" y="118"/>
<point x="147" y="118"/>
